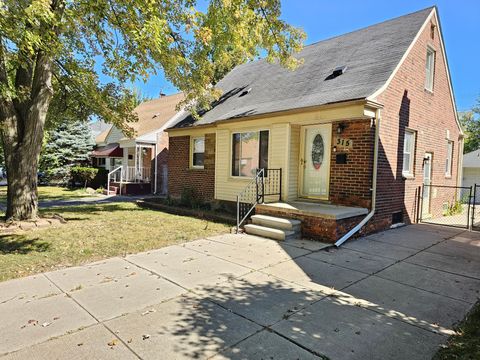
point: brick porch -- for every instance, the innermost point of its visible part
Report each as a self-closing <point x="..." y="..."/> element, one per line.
<point x="319" y="221"/>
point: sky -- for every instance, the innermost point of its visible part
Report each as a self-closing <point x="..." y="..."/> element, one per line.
<point x="322" y="19"/>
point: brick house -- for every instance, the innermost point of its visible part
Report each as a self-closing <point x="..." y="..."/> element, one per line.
<point x="339" y="146"/>
<point x="138" y="164"/>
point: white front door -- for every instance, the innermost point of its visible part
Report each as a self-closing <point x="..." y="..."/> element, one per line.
<point x="427" y="181"/>
<point x="315" y="161"/>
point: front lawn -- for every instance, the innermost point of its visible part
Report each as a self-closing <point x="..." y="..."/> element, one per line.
<point x="94" y="232"/>
<point x="466" y="344"/>
<point x="46" y="193"/>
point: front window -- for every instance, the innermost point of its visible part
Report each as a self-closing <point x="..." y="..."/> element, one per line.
<point x="408" y="152"/>
<point x="430" y="69"/>
<point x="249" y="152"/>
<point x="198" y="151"/>
<point x="448" y="161"/>
<point x="101" y="162"/>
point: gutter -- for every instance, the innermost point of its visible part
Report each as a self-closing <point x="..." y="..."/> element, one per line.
<point x="374" y="187"/>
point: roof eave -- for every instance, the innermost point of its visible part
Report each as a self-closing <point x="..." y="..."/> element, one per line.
<point x="360" y="101"/>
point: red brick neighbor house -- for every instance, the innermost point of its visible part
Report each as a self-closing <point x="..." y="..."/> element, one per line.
<point x="340" y="146"/>
<point x="138" y="164"/>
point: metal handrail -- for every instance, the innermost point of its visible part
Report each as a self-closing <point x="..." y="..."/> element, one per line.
<point x="243" y="192"/>
<point x="257" y="189"/>
<point x="109" y="177"/>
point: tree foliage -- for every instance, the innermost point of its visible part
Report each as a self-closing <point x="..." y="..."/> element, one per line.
<point x="471" y="125"/>
<point x="138" y="38"/>
<point x="50" y="51"/>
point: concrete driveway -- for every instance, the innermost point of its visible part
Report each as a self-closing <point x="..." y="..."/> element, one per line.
<point x="392" y="295"/>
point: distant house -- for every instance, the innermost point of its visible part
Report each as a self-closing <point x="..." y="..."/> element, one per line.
<point x="342" y="143"/>
<point x="98" y="127"/>
<point x="471" y="168"/>
<point x="138" y="164"/>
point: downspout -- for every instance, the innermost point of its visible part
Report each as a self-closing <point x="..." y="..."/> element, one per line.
<point x="374" y="186"/>
<point x="461" y="143"/>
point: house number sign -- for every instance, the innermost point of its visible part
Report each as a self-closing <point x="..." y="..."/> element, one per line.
<point x="343" y="143"/>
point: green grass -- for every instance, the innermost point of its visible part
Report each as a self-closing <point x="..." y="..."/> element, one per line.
<point x="46" y="193"/>
<point x="95" y="232"/>
<point x="465" y="345"/>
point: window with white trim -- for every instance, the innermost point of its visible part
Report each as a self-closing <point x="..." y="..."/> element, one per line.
<point x="198" y="151"/>
<point x="448" y="160"/>
<point x="249" y="152"/>
<point x="408" y="152"/>
<point x="430" y="69"/>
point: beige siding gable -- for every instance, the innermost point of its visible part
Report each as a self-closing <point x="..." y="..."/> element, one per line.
<point x="114" y="135"/>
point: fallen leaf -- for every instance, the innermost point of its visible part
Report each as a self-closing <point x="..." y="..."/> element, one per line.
<point x="80" y="344"/>
<point x="145" y="337"/>
<point x="129" y="341"/>
<point x="112" y="343"/>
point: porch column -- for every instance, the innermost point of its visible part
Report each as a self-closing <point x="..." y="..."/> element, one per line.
<point x="136" y="166"/>
<point x="125" y="162"/>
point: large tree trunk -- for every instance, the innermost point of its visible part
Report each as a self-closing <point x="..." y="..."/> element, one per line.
<point x="22" y="200"/>
<point x="22" y="135"/>
<point x="22" y="120"/>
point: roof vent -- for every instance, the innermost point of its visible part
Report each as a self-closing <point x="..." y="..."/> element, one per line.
<point x="340" y="70"/>
<point x="245" y="92"/>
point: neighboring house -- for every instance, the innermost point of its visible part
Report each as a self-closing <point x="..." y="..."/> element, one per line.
<point x="471" y="169"/>
<point x="98" y="127"/>
<point x="132" y="162"/>
<point x="347" y="139"/>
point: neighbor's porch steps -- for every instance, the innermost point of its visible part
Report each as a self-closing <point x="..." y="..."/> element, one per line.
<point x="274" y="227"/>
<point x="113" y="190"/>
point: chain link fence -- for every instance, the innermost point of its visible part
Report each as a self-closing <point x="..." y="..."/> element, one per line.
<point x="447" y="205"/>
<point x="475" y="207"/>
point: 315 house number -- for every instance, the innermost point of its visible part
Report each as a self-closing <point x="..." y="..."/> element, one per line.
<point x="342" y="142"/>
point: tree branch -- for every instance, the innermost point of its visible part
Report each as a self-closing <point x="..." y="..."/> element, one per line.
<point x="274" y="33"/>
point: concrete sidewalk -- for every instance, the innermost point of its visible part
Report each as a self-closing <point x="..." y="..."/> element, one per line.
<point x="88" y="200"/>
<point x="392" y="295"/>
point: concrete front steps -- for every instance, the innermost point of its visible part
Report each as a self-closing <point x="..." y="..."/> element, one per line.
<point x="113" y="190"/>
<point x="274" y="227"/>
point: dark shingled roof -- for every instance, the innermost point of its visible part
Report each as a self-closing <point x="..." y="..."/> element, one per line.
<point x="370" y="55"/>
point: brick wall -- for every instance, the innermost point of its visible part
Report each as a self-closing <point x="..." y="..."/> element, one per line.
<point x="350" y="183"/>
<point x="409" y="105"/>
<point x="181" y="176"/>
